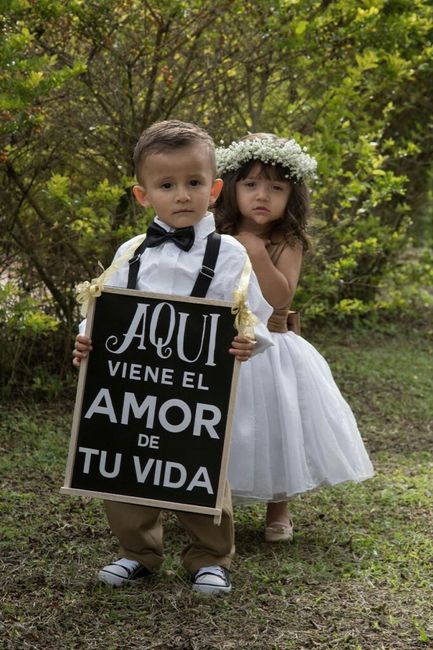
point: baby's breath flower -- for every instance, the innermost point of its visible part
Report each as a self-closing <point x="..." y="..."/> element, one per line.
<point x="286" y="153"/>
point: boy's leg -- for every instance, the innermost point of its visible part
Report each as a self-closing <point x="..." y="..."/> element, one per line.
<point x="211" y="544"/>
<point x="139" y="531"/>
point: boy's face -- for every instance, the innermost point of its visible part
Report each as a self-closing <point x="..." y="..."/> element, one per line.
<point x="178" y="185"/>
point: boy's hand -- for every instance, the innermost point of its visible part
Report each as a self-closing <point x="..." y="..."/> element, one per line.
<point x="83" y="345"/>
<point x="242" y="348"/>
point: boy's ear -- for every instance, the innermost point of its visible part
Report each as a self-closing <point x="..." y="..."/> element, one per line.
<point x="215" y="190"/>
<point x="141" y="195"/>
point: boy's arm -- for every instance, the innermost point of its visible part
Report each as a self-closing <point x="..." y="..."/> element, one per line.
<point x="242" y="348"/>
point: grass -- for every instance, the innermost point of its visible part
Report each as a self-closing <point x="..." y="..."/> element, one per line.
<point x="358" y="575"/>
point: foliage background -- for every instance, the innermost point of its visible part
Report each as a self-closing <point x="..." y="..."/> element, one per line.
<point x="80" y="80"/>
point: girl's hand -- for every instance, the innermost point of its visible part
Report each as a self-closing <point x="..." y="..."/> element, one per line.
<point x="242" y="348"/>
<point x="253" y="243"/>
<point x="83" y="345"/>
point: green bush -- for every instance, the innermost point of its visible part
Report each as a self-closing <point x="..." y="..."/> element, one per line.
<point x="34" y="347"/>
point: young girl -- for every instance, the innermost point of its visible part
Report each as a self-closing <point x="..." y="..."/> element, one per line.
<point x="293" y="431"/>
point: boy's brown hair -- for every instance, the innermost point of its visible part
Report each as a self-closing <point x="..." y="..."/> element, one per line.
<point x="169" y="135"/>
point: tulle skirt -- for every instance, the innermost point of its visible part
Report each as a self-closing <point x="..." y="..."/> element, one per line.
<point x="292" y="429"/>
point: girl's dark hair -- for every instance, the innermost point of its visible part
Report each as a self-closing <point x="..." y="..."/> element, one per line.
<point x="292" y="226"/>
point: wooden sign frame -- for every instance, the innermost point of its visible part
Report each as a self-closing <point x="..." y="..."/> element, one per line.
<point x="150" y="311"/>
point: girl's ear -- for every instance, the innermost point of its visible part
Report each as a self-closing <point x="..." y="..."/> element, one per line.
<point x="141" y="195"/>
<point x="215" y="190"/>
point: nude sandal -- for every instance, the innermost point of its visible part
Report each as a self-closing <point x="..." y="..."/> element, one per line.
<point x="279" y="532"/>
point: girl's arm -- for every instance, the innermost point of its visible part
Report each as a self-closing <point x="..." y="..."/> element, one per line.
<point x="278" y="283"/>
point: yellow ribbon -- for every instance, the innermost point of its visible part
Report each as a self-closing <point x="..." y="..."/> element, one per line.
<point x="85" y="291"/>
<point x="245" y="319"/>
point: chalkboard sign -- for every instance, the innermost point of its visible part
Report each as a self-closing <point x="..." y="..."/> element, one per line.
<point x="154" y="402"/>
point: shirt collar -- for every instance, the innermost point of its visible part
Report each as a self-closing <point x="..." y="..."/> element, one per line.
<point x="202" y="229"/>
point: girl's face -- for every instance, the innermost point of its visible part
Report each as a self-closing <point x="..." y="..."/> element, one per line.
<point x="261" y="200"/>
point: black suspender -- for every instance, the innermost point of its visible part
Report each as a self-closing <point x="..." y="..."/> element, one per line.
<point x="206" y="272"/>
<point x="134" y="265"/>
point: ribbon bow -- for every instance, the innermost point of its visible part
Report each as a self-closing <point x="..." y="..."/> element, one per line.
<point x="245" y="319"/>
<point x="87" y="290"/>
<point x="182" y="237"/>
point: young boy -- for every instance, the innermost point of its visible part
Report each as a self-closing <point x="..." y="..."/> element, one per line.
<point x="175" y="168"/>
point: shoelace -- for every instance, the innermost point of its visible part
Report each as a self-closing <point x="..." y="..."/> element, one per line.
<point x="215" y="570"/>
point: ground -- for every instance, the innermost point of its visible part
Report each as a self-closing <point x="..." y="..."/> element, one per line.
<point x="358" y="575"/>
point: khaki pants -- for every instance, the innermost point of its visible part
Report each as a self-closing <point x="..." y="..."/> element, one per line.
<point x="139" y="531"/>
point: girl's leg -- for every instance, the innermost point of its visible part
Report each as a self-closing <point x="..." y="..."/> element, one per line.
<point x="279" y="526"/>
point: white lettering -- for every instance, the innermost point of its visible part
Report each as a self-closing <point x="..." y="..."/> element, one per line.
<point x="174" y="403"/>
<point x="206" y="416"/>
<point x="200" y="420"/>
<point x="145" y="329"/>
<point x="201" y="479"/>
<point x="88" y="453"/>
<point x="167" y="376"/>
<point x="148" y="441"/>
<point x="152" y="373"/>
<point x="160" y="343"/>
<point x="103" y="465"/>
<point x="181" y="336"/>
<point x="200" y="385"/>
<point x="97" y="407"/>
<point x="134" y="371"/>
<point x="148" y="404"/>
<point x="212" y="339"/>
<point x="188" y="379"/>
<point x="168" y="481"/>
<point x="113" y="368"/>
<point x="142" y="474"/>
<point x="157" y="477"/>
<point x="132" y="333"/>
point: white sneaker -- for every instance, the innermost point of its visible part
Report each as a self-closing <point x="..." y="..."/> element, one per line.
<point x="212" y="580"/>
<point x="123" y="571"/>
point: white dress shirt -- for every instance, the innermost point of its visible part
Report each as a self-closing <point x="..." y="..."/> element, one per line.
<point x="170" y="270"/>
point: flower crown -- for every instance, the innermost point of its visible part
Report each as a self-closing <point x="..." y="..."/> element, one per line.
<point x="287" y="153"/>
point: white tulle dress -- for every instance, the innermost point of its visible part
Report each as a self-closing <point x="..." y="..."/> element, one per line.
<point x="292" y="430"/>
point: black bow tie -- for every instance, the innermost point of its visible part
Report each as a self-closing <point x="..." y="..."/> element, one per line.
<point x="182" y="237"/>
